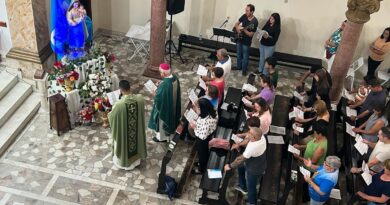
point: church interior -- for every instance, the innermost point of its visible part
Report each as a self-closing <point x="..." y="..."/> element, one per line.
<point x="194" y="102"/>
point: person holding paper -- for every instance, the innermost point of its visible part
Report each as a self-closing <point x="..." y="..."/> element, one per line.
<point x="369" y="129"/>
<point x="267" y="92"/>
<point x="376" y="96"/>
<point x="202" y="130"/>
<point x="268" y="40"/>
<point x="212" y="96"/>
<point x="254" y="159"/>
<point x="246" y="26"/>
<point x="323" y="180"/>
<point x="166" y="110"/>
<point x="301" y="84"/>
<point x="315" y="149"/>
<point x="263" y="112"/>
<point x="318" y="112"/>
<point x="378" y="192"/>
<point x="380" y="152"/>
<point x="224" y="62"/>
<point x="127" y="122"/>
<point x="219" y="82"/>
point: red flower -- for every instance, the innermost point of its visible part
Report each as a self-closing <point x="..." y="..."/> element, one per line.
<point x="58" y="64"/>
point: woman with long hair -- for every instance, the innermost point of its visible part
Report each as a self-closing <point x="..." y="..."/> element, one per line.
<point x="369" y="129"/>
<point x="203" y="129"/>
<point x="320" y="89"/>
<point x="268" y="40"/>
<point x="378" y="50"/>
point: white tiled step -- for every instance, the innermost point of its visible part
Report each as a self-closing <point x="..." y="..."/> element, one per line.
<point x="13" y="99"/>
<point x="19" y="119"/>
<point x="7" y="81"/>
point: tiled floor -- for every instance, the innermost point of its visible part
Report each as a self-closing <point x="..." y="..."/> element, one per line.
<point x="76" y="168"/>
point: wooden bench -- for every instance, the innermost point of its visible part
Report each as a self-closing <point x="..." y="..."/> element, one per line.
<point x="270" y="185"/>
<point x="218" y="160"/>
<point x="208" y="45"/>
<point x="182" y="184"/>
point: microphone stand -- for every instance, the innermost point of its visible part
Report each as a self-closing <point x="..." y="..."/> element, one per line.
<point x="223" y="24"/>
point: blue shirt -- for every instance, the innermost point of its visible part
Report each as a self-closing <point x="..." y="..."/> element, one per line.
<point x="326" y="181"/>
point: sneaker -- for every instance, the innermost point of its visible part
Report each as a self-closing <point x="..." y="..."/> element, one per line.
<point x="156" y="140"/>
<point x="238" y="188"/>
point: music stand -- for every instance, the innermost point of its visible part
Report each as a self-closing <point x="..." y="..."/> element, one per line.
<point x="219" y="32"/>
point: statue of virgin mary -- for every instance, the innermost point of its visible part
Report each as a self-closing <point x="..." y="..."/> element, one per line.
<point x="71" y="28"/>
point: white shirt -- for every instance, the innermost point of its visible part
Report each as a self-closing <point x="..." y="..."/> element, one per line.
<point x="205" y="126"/>
<point x="380" y="152"/>
<point x="227" y="67"/>
<point x="256" y="148"/>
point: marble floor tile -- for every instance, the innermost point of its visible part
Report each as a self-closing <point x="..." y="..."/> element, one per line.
<point x="23" y="179"/>
<point x="19" y="200"/>
<point x="84" y="193"/>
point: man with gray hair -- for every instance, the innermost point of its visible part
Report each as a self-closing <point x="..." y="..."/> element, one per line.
<point x="323" y="180"/>
<point x="166" y="111"/>
<point x="224" y="62"/>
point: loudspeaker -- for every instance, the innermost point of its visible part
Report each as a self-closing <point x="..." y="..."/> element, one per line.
<point x="175" y="6"/>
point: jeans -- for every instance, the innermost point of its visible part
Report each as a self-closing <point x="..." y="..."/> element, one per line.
<point x="312" y="202"/>
<point x="372" y="66"/>
<point x="265" y="52"/>
<point x="373" y="203"/>
<point x="248" y="182"/>
<point x="242" y="56"/>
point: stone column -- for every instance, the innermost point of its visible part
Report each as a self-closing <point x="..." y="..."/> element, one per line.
<point x="358" y="13"/>
<point x="157" y="38"/>
<point x="30" y="36"/>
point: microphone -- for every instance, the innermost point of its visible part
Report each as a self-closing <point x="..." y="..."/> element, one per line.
<point x="227" y="20"/>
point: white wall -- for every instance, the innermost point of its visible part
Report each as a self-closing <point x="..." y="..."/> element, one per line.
<point x="5" y="35"/>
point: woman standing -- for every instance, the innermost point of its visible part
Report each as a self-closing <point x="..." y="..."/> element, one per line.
<point x="268" y="40"/>
<point x="378" y="49"/>
<point x="203" y="129"/>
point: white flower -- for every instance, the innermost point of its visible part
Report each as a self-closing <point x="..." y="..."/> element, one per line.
<point x="85" y="87"/>
<point x="92" y="76"/>
<point x="94" y="88"/>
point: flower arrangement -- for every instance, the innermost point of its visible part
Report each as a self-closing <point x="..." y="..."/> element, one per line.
<point x="102" y="104"/>
<point x="86" y="114"/>
<point x="97" y="84"/>
<point x="64" y="74"/>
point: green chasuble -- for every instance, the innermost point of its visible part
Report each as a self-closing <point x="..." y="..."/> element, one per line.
<point x="128" y="130"/>
<point x="167" y="106"/>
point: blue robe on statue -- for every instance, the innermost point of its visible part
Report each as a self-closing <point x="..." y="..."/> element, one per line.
<point x="69" y="32"/>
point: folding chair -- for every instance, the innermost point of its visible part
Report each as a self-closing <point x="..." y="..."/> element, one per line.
<point x="355" y="66"/>
<point x="139" y="37"/>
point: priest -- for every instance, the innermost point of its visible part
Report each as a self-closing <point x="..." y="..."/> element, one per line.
<point x="128" y="129"/>
<point x="166" y="111"/>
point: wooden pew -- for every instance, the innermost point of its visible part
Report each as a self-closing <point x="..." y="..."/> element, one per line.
<point x="218" y="160"/>
<point x="270" y="185"/>
<point x="180" y="132"/>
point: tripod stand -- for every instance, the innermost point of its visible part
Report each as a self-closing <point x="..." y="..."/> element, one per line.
<point x="170" y="44"/>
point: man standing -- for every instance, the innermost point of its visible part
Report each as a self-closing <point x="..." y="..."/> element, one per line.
<point x="246" y="26"/>
<point x="128" y="129"/>
<point x="254" y="157"/>
<point x="166" y="111"/>
<point x="224" y="62"/>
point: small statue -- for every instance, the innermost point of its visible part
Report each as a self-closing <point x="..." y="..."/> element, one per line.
<point x="359" y="11"/>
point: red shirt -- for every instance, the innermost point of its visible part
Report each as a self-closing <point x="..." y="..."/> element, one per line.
<point x="220" y="86"/>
